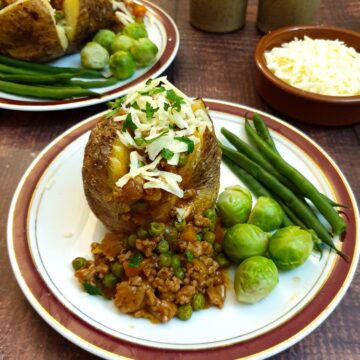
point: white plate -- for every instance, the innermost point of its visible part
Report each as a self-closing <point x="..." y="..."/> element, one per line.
<point x="60" y="227"/>
<point x="162" y="31"/>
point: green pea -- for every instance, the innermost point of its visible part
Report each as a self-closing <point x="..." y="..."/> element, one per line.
<point x="210" y="214"/>
<point x="109" y="281"/>
<point x="180" y="225"/>
<point x="175" y="262"/>
<point x="170" y="233"/>
<point x="217" y="247"/>
<point x="179" y="273"/>
<point x="139" y="141"/>
<point x="78" y="263"/>
<point x="164" y="260"/>
<point x="222" y="260"/>
<point x="140" y="206"/>
<point x="209" y="237"/>
<point x="184" y="312"/>
<point x="198" y="302"/>
<point x="131" y="240"/>
<point x="162" y="246"/>
<point x="183" y="158"/>
<point x="117" y="269"/>
<point x="142" y="233"/>
<point x="156" y="229"/>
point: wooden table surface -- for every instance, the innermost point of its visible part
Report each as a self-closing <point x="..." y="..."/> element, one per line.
<point x="214" y="66"/>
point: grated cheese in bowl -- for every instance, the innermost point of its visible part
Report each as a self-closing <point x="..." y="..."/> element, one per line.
<point x="326" y="67"/>
<point x="158" y="122"/>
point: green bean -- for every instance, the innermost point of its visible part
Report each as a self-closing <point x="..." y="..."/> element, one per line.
<point x="290" y="218"/>
<point x="257" y="188"/>
<point x="289" y="198"/>
<point x="13" y="70"/>
<point x="45" y="92"/>
<point x="41" y="68"/>
<point x="263" y="131"/>
<point x="309" y="191"/>
<point x="94" y="84"/>
<point x="264" y="134"/>
<point x="35" y="79"/>
<point x="255" y="156"/>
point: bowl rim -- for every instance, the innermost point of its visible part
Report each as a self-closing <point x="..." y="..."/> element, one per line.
<point x="260" y="63"/>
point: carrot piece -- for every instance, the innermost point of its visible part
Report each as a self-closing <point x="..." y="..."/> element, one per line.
<point x="131" y="271"/>
<point x="139" y="11"/>
<point x="189" y="234"/>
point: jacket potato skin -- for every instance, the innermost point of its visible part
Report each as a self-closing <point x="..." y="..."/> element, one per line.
<point x="28" y="32"/>
<point x="201" y="173"/>
<point x="85" y="17"/>
<point x="97" y="187"/>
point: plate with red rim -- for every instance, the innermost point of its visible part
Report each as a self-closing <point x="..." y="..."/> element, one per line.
<point x="50" y="223"/>
<point x="162" y="31"/>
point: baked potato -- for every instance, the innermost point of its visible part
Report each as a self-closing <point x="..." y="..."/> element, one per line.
<point x="28" y="31"/>
<point x="83" y="18"/>
<point x="108" y="158"/>
<point x="42" y="30"/>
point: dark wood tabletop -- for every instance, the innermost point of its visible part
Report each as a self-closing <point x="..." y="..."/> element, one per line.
<point x="207" y="65"/>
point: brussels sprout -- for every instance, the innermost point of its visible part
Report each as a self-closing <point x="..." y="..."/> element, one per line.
<point x="105" y="38"/>
<point x="122" y="42"/>
<point x="290" y="247"/>
<point x="122" y="65"/>
<point x="234" y="205"/>
<point x="244" y="240"/>
<point x="267" y="214"/>
<point x="144" y="51"/>
<point x="94" y="56"/>
<point x="135" y="30"/>
<point x="254" y="279"/>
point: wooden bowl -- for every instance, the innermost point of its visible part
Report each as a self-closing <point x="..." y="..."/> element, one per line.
<point x="299" y="104"/>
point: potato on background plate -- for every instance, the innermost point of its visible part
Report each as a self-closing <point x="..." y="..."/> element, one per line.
<point x="39" y="30"/>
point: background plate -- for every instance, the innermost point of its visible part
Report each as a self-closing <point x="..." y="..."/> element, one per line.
<point x="50" y="224"/>
<point x="162" y="31"/>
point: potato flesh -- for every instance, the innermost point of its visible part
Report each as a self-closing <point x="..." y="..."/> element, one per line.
<point x="85" y="17"/>
<point x="118" y="161"/>
<point x="71" y="10"/>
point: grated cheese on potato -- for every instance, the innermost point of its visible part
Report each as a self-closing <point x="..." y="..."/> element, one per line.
<point x="162" y="120"/>
<point x="326" y="67"/>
